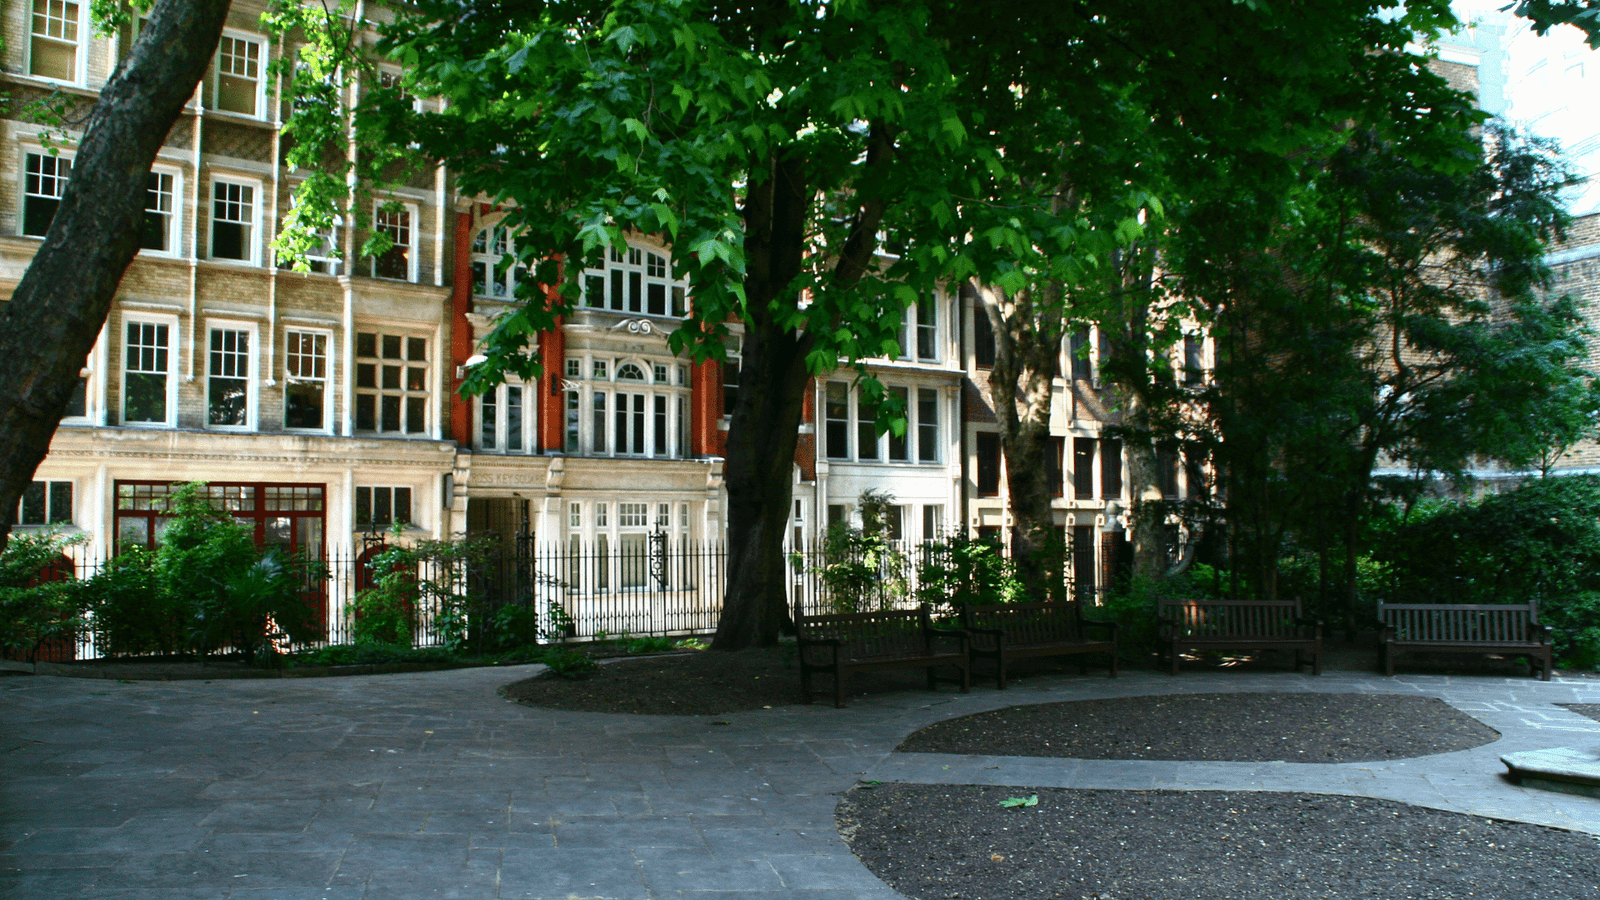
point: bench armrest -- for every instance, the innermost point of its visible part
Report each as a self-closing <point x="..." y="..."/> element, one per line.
<point x="959" y="634"/>
<point x="1538" y="631"/>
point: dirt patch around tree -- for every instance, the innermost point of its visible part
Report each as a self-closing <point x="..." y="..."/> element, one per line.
<point x="1300" y="727"/>
<point x="940" y="842"/>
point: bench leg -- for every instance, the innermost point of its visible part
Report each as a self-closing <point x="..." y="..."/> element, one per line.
<point x="1000" y="671"/>
<point x="805" y="682"/>
<point x="1113" y="672"/>
<point x="1172" y="660"/>
<point x="838" y="685"/>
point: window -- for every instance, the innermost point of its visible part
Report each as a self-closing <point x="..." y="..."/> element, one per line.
<point x="1078" y="349"/>
<point x="491" y="277"/>
<point x="233" y="221"/>
<point x="730" y="379"/>
<point x="391" y="383"/>
<point x="636" y="280"/>
<point x="1054" y="461"/>
<point x="574" y="417"/>
<point x="45" y="503"/>
<point x="160" y="222"/>
<point x="381" y="507"/>
<point x="932" y="522"/>
<point x="399" y="261"/>
<point x="574" y="368"/>
<point x="287" y="516"/>
<point x="147" y="381"/>
<point x="1083" y="468"/>
<point x="866" y="429"/>
<point x="927" y="425"/>
<point x="44" y="180"/>
<point x="988" y="445"/>
<point x="899" y="449"/>
<point x="500" y="420"/>
<point x="847" y="414"/>
<point x="78" y="403"/>
<point x="928" y="328"/>
<point x="305" y="387"/>
<point x="1194" y="370"/>
<point x="1110" y="469"/>
<point x="575" y="514"/>
<point x="836" y="411"/>
<point x="645" y="415"/>
<point x="982" y="338"/>
<point x="1167" y="470"/>
<point x="239" y="83"/>
<point x="53" y="40"/>
<point x="228" y="381"/>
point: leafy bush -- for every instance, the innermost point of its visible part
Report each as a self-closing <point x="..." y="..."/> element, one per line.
<point x="962" y="571"/>
<point x="206" y="588"/>
<point x="1540" y="542"/>
<point x="861" y="570"/>
<point x="35" y="608"/>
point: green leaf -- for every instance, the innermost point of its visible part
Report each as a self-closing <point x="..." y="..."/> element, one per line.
<point x="1015" y="802"/>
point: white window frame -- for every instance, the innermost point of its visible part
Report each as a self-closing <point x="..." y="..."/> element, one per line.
<point x="501" y="394"/>
<point x="411" y="211"/>
<point x="260" y="43"/>
<point x="326" y="380"/>
<point x="80" y="42"/>
<point x="427" y="393"/>
<point x="174" y="215"/>
<point x="489" y="248"/>
<point x="601" y="423"/>
<point x="855" y="422"/>
<point x="912" y="329"/>
<point x="624" y="280"/>
<point x="173" y="349"/>
<point x="252" y="377"/>
<point x="28" y="153"/>
<point x="253" y="243"/>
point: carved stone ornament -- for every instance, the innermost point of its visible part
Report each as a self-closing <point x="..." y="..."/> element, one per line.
<point x="636" y="326"/>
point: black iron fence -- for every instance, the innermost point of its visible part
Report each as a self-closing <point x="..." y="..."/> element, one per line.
<point x="635" y="585"/>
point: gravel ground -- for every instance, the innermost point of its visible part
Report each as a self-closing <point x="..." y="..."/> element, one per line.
<point x="1592" y="710"/>
<point x="933" y="842"/>
<point x="1322" y="728"/>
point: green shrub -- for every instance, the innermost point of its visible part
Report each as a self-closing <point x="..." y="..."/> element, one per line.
<point x="205" y="589"/>
<point x="1540" y="542"/>
<point x="34" y="611"/>
<point x="960" y="571"/>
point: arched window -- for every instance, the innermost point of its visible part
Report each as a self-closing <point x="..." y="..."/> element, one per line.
<point x="637" y="280"/>
<point x="641" y="411"/>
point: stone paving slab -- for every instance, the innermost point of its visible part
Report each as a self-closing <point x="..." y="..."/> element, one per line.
<point x="429" y="785"/>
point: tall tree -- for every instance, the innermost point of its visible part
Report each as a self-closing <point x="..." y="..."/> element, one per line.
<point x="56" y="312"/>
<point x="1400" y="321"/>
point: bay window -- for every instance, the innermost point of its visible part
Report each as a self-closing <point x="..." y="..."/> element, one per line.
<point x="391" y="383"/>
<point x="305" y="387"/>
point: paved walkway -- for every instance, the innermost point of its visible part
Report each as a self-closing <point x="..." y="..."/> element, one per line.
<point x="428" y="785"/>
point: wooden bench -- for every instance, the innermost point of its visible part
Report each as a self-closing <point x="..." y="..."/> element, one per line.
<point x="1238" y="625"/>
<point x="890" y="639"/>
<point x="1010" y="631"/>
<point x="1463" y="628"/>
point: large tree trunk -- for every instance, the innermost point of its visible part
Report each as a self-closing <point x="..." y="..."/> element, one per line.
<point x="764" y="424"/>
<point x="1027" y="336"/>
<point x="57" y="310"/>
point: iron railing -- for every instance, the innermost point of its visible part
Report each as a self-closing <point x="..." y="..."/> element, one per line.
<point x="633" y="585"/>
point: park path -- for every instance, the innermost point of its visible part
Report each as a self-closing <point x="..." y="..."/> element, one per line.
<point x="429" y="785"/>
